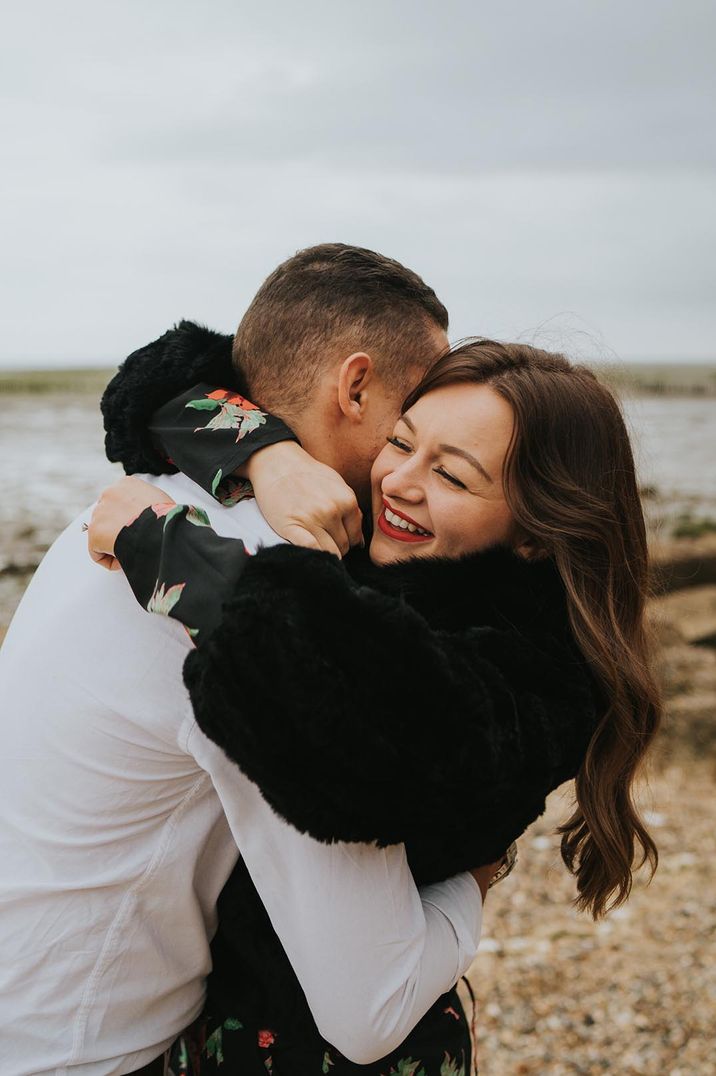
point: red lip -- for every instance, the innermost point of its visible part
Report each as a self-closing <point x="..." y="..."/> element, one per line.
<point x="397" y="533"/>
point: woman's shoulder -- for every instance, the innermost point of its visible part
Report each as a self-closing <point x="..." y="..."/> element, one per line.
<point x="494" y="587"/>
<point x="490" y="607"/>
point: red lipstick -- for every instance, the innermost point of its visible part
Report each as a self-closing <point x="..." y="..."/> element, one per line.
<point x="400" y="534"/>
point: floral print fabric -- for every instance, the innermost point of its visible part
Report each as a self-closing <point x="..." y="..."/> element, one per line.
<point x="440" y="1045"/>
<point x="177" y="566"/>
<point x="209" y="432"/>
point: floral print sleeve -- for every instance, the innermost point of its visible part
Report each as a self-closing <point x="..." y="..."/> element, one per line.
<point x="209" y="432"/>
<point x="178" y="566"/>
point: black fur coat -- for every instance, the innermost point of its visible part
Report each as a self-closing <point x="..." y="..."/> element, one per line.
<point x="370" y="704"/>
<point x="366" y="701"/>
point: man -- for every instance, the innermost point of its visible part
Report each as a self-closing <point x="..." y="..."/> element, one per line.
<point x="120" y="821"/>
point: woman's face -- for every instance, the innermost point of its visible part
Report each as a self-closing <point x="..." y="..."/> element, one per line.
<point x="437" y="485"/>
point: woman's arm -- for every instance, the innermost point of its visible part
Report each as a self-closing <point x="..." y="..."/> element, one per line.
<point x="178" y="404"/>
<point x="359" y="721"/>
<point x="371" y="723"/>
<point x="178" y="572"/>
<point x="172" y="569"/>
<point x="234" y="450"/>
<point x="210" y="433"/>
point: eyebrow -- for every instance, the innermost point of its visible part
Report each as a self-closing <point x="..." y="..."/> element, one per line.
<point x="452" y="450"/>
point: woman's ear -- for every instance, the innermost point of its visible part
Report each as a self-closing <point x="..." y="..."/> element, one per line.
<point x="354" y="377"/>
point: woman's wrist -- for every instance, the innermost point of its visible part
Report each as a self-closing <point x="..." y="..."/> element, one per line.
<point x="492" y="873"/>
<point x="305" y="501"/>
<point x="273" y="461"/>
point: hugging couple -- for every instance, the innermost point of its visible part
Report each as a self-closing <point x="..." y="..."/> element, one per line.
<point x="381" y="598"/>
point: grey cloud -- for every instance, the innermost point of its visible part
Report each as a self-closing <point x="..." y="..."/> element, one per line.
<point x="528" y="158"/>
<point x="462" y="87"/>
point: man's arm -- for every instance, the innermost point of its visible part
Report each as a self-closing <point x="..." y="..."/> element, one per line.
<point x="372" y="953"/>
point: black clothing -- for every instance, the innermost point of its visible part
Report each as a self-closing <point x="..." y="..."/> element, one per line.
<point x="159" y="399"/>
<point x="372" y="696"/>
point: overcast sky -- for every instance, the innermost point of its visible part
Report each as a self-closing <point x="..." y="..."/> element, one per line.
<point x="549" y="166"/>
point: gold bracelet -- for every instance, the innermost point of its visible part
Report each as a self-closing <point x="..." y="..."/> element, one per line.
<point x="508" y="862"/>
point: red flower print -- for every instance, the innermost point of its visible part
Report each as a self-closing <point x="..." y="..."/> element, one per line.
<point x="451" y="1012"/>
<point x="266" y="1038"/>
<point x="242" y="402"/>
<point x="225" y="396"/>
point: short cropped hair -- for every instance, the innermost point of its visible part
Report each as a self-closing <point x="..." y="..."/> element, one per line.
<point x="324" y="303"/>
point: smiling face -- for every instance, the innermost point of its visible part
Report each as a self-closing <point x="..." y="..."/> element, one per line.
<point x="437" y="485"/>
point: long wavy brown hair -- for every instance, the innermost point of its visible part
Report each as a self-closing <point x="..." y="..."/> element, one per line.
<point x="571" y="485"/>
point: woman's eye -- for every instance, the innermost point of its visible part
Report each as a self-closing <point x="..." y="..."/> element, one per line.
<point x="398" y="444"/>
<point x="451" y="478"/>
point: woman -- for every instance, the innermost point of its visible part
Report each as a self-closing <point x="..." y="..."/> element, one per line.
<point x="491" y="646"/>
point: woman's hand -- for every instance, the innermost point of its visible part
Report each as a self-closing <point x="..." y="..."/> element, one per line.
<point x="305" y="501"/>
<point x="118" y="506"/>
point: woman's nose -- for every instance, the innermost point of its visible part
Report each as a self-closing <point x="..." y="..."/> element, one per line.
<point x="404" y="483"/>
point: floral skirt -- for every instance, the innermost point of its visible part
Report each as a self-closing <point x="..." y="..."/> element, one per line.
<point x="440" y="1045"/>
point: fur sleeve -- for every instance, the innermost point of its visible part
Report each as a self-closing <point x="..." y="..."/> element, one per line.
<point x="151" y="376"/>
<point x="359" y="722"/>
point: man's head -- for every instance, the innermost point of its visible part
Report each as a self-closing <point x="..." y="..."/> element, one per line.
<point x="332" y="342"/>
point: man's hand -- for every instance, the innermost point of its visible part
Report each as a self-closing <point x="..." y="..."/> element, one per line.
<point x="117" y="507"/>
<point x="304" y="501"/>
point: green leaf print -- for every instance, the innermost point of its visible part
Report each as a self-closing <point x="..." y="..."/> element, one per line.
<point x="203" y="405"/>
<point x="452" y="1068"/>
<point x="230" y="417"/>
<point x="213" y="1046"/>
<point x="328" y="1062"/>
<point x="408" y="1067"/>
<point x="215" y="482"/>
<point x="197" y="516"/>
<point x="163" y="601"/>
<point x="175" y="511"/>
<point x="251" y="420"/>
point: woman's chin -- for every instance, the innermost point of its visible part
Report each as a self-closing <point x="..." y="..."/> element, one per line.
<point x="384" y="551"/>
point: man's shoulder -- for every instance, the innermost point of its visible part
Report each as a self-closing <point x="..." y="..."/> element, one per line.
<point x="80" y="646"/>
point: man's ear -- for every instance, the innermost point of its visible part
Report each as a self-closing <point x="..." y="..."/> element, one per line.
<point x="355" y="374"/>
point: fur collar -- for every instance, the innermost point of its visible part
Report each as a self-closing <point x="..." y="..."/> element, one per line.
<point x="492" y="588"/>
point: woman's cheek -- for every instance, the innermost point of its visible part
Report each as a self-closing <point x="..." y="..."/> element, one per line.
<point x="379" y="471"/>
<point x="380" y="467"/>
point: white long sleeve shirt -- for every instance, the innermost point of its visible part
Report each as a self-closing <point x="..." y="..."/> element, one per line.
<point x="120" y="822"/>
